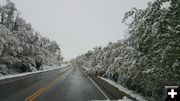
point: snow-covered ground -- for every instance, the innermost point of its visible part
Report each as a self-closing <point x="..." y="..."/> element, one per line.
<point x="84" y="68"/>
<point x="124" y="99"/>
<point x="45" y="68"/>
<point x="121" y="88"/>
<point x="125" y="90"/>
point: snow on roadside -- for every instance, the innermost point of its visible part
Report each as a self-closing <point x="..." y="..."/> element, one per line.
<point x="124" y="99"/>
<point x="125" y="90"/>
<point x="84" y="68"/>
<point x="45" y="68"/>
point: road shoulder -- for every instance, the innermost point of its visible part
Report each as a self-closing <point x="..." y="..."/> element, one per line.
<point x="111" y="91"/>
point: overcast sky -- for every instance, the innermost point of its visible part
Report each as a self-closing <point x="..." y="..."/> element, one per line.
<point x="78" y="25"/>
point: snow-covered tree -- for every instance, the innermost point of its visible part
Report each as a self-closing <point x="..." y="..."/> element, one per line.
<point x="149" y="59"/>
<point x="22" y="50"/>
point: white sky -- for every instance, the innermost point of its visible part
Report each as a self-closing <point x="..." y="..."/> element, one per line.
<point x="78" y="25"/>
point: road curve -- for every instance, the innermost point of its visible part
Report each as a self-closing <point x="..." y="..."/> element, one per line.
<point x="65" y="84"/>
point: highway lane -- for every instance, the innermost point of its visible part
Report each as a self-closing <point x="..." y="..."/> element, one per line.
<point x="66" y="84"/>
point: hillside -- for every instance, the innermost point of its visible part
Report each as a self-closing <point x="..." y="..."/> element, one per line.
<point x="149" y="59"/>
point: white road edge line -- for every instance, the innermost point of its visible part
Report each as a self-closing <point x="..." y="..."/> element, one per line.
<point x="97" y="86"/>
<point x="99" y="89"/>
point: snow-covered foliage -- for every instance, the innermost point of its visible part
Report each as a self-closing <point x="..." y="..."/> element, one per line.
<point x="21" y="48"/>
<point x="149" y="59"/>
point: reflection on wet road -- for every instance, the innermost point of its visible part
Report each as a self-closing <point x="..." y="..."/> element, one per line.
<point x="65" y="84"/>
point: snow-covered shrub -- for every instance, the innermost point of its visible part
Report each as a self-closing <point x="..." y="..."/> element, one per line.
<point x="3" y="70"/>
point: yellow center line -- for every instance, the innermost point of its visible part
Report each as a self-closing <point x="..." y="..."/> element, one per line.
<point x="35" y="96"/>
<point x="51" y="84"/>
<point x="40" y="91"/>
<point x="27" y="99"/>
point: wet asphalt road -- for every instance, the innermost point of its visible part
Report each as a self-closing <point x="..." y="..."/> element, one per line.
<point x="65" y="84"/>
